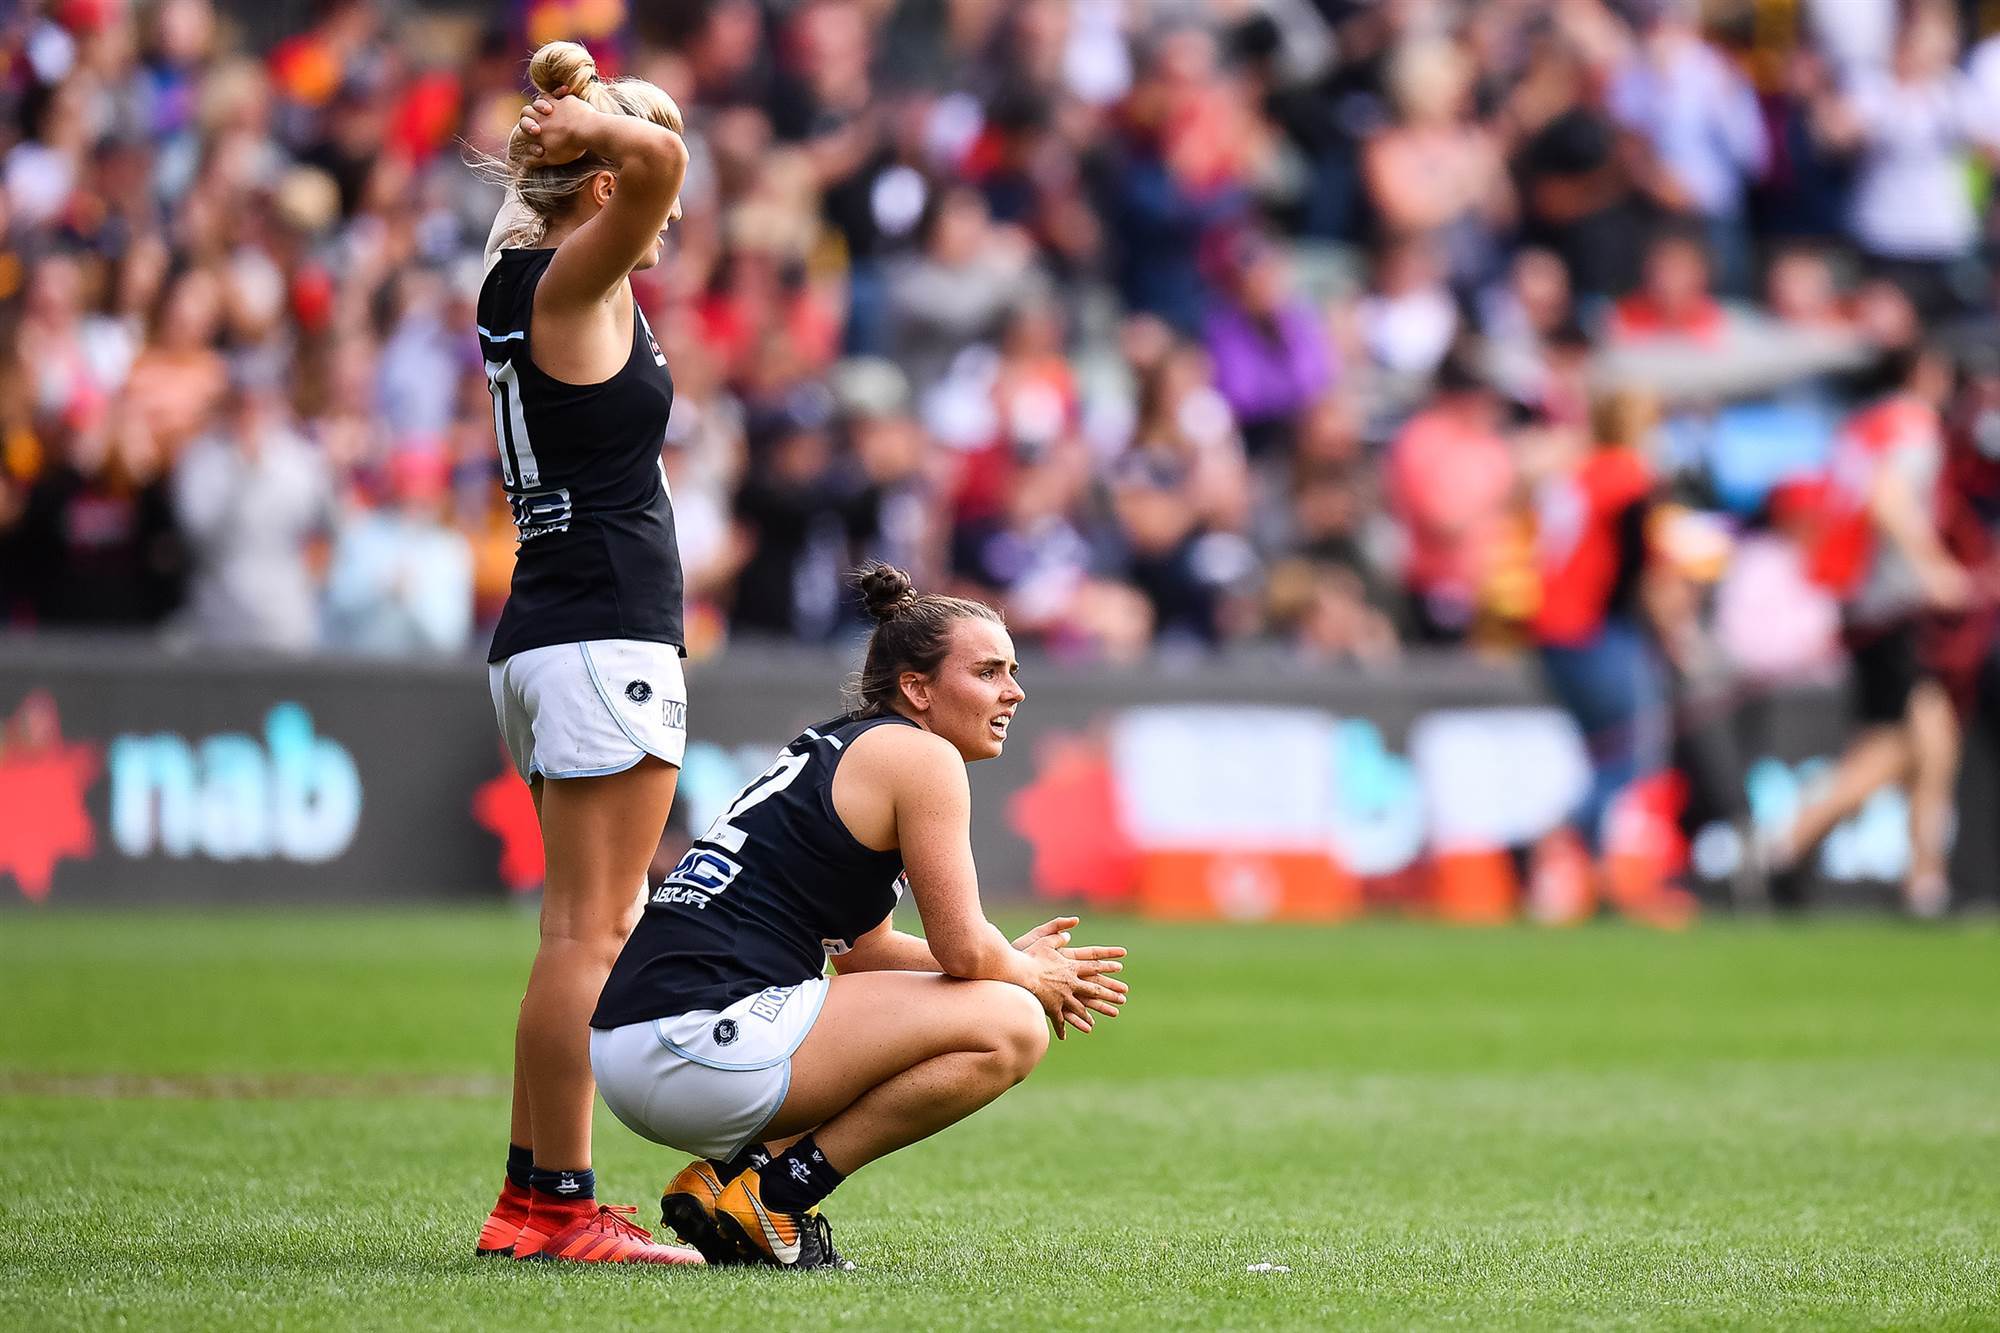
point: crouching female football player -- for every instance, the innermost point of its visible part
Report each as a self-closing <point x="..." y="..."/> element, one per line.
<point x="718" y="1032"/>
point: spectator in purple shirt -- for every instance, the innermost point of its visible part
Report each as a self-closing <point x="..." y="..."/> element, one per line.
<point x="1698" y="119"/>
<point x="1269" y="347"/>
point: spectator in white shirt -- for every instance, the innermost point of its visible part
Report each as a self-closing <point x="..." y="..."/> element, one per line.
<point x="250" y="496"/>
<point x="1911" y="126"/>
<point x="400" y="579"/>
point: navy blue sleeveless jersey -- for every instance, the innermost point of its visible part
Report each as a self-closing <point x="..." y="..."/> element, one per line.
<point x="774" y="887"/>
<point x="581" y="467"/>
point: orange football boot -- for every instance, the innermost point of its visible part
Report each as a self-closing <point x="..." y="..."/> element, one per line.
<point x="503" y="1224"/>
<point x="765" y="1236"/>
<point x="688" y="1206"/>
<point x="594" y="1235"/>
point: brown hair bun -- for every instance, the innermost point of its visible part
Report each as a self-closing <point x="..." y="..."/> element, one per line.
<point x="885" y="590"/>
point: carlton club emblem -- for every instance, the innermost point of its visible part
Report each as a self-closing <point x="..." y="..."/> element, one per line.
<point x="638" y="691"/>
<point x="725" y="1032"/>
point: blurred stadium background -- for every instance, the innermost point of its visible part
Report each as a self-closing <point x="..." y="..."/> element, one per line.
<point x="1260" y="357"/>
<point x="1327" y="389"/>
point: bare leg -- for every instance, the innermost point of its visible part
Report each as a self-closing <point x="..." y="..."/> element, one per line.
<point x="1934" y="750"/>
<point x="896" y="1056"/>
<point x="521" y="1127"/>
<point x="598" y="835"/>
<point x="1878" y="757"/>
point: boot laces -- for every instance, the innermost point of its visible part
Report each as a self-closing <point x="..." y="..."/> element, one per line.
<point x="614" y="1218"/>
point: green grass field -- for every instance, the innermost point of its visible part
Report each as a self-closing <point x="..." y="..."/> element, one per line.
<point x="297" y="1120"/>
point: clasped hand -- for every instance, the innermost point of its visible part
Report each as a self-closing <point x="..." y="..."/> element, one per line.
<point x="1073" y="982"/>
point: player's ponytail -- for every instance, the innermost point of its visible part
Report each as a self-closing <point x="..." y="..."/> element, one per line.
<point x="545" y="192"/>
<point x="912" y="633"/>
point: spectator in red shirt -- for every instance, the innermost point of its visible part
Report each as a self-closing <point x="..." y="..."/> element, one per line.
<point x="1451" y="483"/>
<point x="1673" y="299"/>
<point x="1598" y="652"/>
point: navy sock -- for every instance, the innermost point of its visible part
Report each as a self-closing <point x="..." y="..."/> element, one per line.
<point x="520" y="1165"/>
<point x="568" y="1186"/>
<point x="747" y="1158"/>
<point x="798" y="1178"/>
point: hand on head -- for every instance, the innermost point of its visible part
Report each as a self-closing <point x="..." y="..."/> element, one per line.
<point x="554" y="124"/>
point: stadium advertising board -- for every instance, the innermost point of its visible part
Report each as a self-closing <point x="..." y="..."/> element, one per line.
<point x="135" y="777"/>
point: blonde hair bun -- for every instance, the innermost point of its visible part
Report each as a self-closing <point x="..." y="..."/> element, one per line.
<point x="562" y="65"/>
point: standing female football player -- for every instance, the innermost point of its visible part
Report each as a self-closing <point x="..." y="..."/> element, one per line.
<point x="585" y="666"/>
<point x="718" y="1032"/>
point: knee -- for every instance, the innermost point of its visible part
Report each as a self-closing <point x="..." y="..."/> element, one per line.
<point x="595" y="924"/>
<point x="1019" y="1031"/>
<point x="594" y="944"/>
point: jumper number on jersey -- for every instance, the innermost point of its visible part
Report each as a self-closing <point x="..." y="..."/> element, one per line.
<point x="769" y="783"/>
<point x="704" y="872"/>
<point x="518" y="469"/>
<point x="537" y="513"/>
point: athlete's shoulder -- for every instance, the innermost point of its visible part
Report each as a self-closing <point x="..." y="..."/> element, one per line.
<point x="506" y="297"/>
<point x="510" y="266"/>
<point x="892" y="734"/>
<point x="906" y="758"/>
<point x="881" y="729"/>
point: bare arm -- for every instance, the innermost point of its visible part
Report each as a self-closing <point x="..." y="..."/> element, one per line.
<point x="1899" y="514"/>
<point x="651" y="161"/>
<point x="886" y="949"/>
<point x="932" y="808"/>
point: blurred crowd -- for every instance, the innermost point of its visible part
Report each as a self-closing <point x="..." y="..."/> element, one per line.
<point x="1165" y="324"/>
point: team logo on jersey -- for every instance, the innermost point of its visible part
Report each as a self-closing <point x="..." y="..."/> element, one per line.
<point x="725" y="1032"/>
<point x="652" y="343"/>
<point x="638" y="691"/>
<point x="541" y="513"/>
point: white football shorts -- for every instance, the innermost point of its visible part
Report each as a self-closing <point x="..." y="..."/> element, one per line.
<point x="584" y="710"/>
<point x="708" y="1081"/>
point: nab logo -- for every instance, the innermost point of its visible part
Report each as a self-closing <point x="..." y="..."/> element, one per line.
<point x="232" y="797"/>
